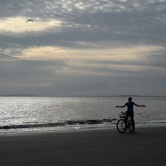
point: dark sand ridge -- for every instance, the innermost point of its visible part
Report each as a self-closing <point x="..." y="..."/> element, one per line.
<point x="85" y="147"/>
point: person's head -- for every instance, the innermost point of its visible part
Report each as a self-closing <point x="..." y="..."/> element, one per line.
<point x="129" y="99"/>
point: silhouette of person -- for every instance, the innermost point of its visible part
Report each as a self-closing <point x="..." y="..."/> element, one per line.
<point x="130" y="111"/>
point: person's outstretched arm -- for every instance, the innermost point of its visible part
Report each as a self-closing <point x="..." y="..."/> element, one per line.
<point x="121" y="106"/>
<point x="139" y="105"/>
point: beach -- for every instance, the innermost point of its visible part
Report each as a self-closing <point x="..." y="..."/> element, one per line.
<point x="85" y="147"/>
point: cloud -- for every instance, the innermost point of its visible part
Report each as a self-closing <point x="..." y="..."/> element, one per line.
<point x="82" y="47"/>
<point x="107" y="62"/>
<point x="19" y="25"/>
<point x="121" y="22"/>
<point x="114" y="61"/>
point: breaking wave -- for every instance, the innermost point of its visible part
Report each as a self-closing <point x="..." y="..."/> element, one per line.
<point x="68" y="122"/>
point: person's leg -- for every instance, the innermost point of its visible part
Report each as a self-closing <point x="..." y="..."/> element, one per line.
<point x="132" y="121"/>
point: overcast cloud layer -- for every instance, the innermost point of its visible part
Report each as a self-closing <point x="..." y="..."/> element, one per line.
<point x="83" y="47"/>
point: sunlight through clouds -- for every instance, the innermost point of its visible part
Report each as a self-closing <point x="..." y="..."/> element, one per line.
<point x="133" y="53"/>
<point x="19" y="25"/>
<point x="43" y="53"/>
<point x="106" y="62"/>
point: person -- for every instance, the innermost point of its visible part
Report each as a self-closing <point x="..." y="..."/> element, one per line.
<point x="130" y="111"/>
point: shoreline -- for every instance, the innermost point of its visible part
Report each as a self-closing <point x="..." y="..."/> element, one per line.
<point x="17" y="132"/>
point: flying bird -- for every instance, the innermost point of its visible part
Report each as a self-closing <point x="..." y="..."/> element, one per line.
<point x="29" y="20"/>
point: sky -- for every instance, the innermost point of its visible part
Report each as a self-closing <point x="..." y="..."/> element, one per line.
<point x="83" y="47"/>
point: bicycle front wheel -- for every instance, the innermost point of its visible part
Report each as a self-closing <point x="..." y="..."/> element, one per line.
<point x="121" y="126"/>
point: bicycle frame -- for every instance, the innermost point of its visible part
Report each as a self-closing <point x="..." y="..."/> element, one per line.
<point x="121" y="126"/>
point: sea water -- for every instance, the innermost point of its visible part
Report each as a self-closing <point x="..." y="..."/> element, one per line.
<point x="62" y="113"/>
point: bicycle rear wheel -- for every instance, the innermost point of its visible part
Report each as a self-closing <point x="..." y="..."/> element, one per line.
<point x="131" y="127"/>
<point x="121" y="126"/>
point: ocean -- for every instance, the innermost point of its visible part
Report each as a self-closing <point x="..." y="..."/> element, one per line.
<point x="64" y="113"/>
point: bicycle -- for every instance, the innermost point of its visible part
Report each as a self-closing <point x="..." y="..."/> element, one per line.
<point x="121" y="124"/>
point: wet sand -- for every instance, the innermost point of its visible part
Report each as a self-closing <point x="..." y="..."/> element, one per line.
<point x="85" y="147"/>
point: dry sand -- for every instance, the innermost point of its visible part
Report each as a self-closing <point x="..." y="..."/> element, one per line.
<point x="86" y="147"/>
